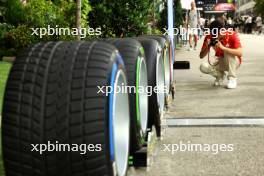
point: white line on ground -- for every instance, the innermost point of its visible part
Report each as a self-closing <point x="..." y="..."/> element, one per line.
<point x="216" y="122"/>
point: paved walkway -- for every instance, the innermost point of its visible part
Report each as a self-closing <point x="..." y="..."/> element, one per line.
<point x="197" y="99"/>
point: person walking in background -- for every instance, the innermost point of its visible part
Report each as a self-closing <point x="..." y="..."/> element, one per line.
<point x="246" y="25"/>
<point x="249" y="25"/>
<point x="237" y="24"/>
<point x="192" y="20"/>
<point x="229" y="23"/>
<point x="243" y="25"/>
<point x="259" y="24"/>
<point x="202" y="24"/>
<point x="254" y="25"/>
<point x="207" y="23"/>
<point x="212" y="19"/>
<point x="184" y="33"/>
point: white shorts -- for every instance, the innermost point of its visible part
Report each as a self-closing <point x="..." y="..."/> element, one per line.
<point x="192" y="31"/>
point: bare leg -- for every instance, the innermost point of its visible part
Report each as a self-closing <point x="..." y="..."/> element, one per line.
<point x="190" y="40"/>
<point x="195" y="40"/>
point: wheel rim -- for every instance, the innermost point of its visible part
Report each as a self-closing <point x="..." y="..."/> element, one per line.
<point x="160" y="81"/>
<point x="167" y="69"/>
<point x="121" y="123"/>
<point x="142" y="96"/>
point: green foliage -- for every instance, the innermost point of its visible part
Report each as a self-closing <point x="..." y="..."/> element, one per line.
<point x="4" y="27"/>
<point x="163" y="21"/>
<point x="155" y="15"/>
<point x="41" y="13"/>
<point x="15" y="13"/>
<point x="2" y="7"/>
<point x="117" y="18"/>
<point x="178" y="15"/>
<point x="68" y="9"/>
<point x="4" y="71"/>
<point x="86" y="8"/>
<point x="8" y="52"/>
<point x="2" y="172"/>
<point x="156" y="31"/>
<point x="259" y="7"/>
<point x="120" y="17"/>
<point x="19" y="37"/>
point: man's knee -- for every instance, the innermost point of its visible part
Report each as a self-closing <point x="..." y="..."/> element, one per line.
<point x="205" y="68"/>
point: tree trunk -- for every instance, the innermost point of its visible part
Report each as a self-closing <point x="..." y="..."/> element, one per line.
<point x="78" y="18"/>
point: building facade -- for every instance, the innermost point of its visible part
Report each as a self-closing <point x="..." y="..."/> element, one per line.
<point x="245" y="7"/>
<point x="214" y="8"/>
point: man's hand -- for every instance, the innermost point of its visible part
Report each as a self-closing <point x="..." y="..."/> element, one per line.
<point x="237" y="52"/>
<point x="205" y="49"/>
<point x="220" y="45"/>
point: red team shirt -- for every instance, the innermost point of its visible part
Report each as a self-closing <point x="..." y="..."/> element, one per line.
<point x="231" y="40"/>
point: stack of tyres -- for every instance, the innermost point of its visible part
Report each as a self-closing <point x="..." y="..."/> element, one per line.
<point x="64" y="114"/>
<point x="156" y="79"/>
<point x="52" y="96"/>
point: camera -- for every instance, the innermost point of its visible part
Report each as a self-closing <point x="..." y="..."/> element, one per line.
<point x="213" y="42"/>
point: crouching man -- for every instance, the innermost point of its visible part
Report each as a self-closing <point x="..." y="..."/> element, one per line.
<point x="228" y="52"/>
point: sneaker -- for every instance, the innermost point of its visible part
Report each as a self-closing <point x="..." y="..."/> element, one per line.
<point x="232" y="83"/>
<point x="195" y="48"/>
<point x="190" y="48"/>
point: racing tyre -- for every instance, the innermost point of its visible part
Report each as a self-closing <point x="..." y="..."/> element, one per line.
<point x="156" y="80"/>
<point x="52" y="101"/>
<point x="134" y="58"/>
<point x="166" y="57"/>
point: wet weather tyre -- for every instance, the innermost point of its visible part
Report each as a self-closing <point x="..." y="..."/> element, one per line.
<point x="134" y="58"/>
<point x="156" y="80"/>
<point x="164" y="43"/>
<point x="52" y="97"/>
